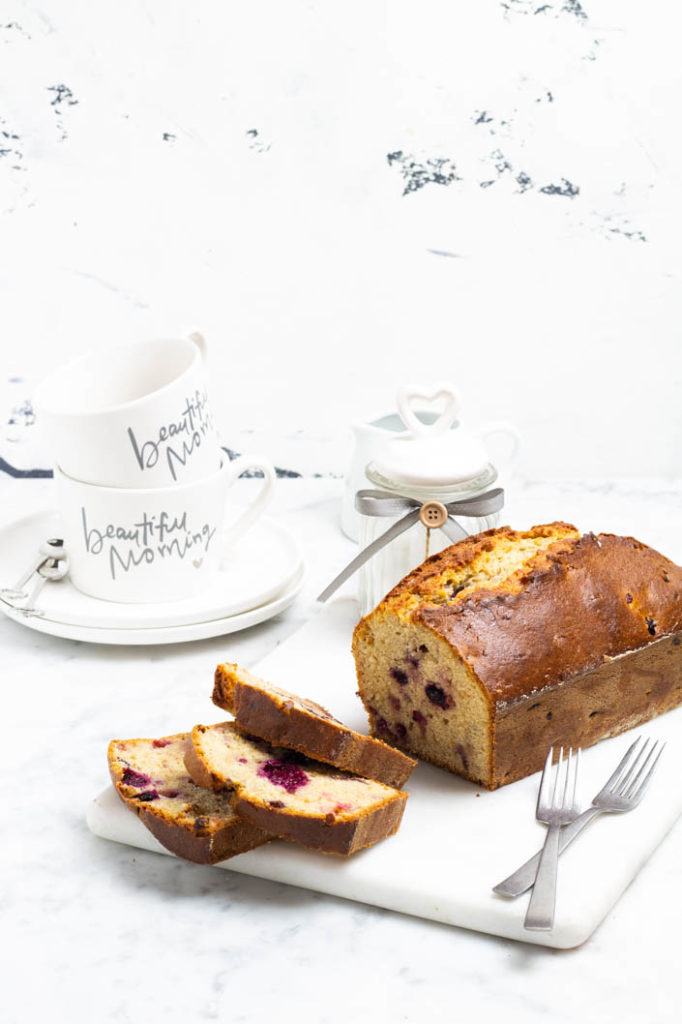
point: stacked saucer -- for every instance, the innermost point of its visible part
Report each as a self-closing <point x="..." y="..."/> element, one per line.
<point x="263" y="576"/>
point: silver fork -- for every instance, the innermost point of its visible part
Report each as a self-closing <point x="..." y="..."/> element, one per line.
<point x="621" y="792"/>
<point x="556" y="807"/>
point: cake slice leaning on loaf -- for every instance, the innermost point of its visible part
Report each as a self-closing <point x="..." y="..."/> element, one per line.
<point x="150" y="777"/>
<point x="282" y="718"/>
<point x="291" y="796"/>
<point x="508" y="643"/>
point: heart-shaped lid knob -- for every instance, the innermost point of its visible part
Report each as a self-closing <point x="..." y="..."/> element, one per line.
<point x="408" y="399"/>
<point x="434" y="450"/>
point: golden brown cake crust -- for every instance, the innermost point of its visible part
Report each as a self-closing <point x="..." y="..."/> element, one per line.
<point x="508" y="643"/>
<point x="578" y="604"/>
<point x="426" y="581"/>
<point x="339" y="837"/>
<point x="616" y="696"/>
<point x="299" y="724"/>
<point x="198" y="768"/>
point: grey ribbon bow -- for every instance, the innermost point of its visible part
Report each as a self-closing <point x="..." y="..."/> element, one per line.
<point x="383" y="503"/>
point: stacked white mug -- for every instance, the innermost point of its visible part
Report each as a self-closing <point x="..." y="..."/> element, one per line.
<point x="142" y="482"/>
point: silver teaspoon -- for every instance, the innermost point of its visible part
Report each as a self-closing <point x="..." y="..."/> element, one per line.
<point x="50" y="571"/>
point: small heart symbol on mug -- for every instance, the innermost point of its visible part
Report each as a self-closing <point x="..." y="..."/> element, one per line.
<point x="197" y="562"/>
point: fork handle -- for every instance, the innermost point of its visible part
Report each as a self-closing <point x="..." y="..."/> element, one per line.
<point x="540" y="914"/>
<point x="524" y="877"/>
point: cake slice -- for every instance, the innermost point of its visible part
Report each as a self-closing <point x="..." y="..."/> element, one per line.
<point x="194" y="823"/>
<point x="282" y="718"/>
<point x="291" y="796"/>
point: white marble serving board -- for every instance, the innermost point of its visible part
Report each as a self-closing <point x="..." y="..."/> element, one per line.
<point x="456" y="841"/>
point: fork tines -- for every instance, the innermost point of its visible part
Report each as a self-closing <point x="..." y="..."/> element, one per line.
<point x="566" y="768"/>
<point x="633" y="782"/>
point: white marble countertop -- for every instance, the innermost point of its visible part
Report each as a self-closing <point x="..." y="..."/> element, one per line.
<point x="99" y="932"/>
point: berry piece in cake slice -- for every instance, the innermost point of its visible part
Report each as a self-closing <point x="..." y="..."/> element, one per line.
<point x="284" y="719"/>
<point x="290" y="795"/>
<point x="194" y="823"/>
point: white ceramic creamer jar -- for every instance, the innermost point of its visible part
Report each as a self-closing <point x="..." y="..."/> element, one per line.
<point x="428" y="463"/>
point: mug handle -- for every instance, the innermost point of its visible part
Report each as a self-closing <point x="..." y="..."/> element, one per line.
<point x="255" y="510"/>
<point x="200" y="342"/>
<point x="504" y="428"/>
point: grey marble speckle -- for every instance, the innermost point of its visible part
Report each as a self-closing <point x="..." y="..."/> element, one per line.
<point x="419" y="171"/>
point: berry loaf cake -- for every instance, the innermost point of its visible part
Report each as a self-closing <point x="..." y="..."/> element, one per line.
<point x="272" y="714"/>
<point x="291" y="796"/>
<point x="194" y="823"/>
<point x="508" y="643"/>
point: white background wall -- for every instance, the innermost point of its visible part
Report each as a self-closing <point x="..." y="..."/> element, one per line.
<point x="225" y="165"/>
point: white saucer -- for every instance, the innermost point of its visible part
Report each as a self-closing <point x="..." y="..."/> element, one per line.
<point x="263" y="570"/>
<point x="161" y="634"/>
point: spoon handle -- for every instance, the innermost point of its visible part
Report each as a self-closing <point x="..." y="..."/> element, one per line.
<point x="29" y="608"/>
<point x="17" y="591"/>
<point x="51" y="569"/>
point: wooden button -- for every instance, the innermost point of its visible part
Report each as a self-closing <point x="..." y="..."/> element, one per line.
<point x="433" y="514"/>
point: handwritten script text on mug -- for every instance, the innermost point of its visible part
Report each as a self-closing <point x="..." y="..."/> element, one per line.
<point x="154" y="538"/>
<point x="178" y="440"/>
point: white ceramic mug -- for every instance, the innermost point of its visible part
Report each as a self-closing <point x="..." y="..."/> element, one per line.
<point x="132" y="416"/>
<point x="151" y="545"/>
